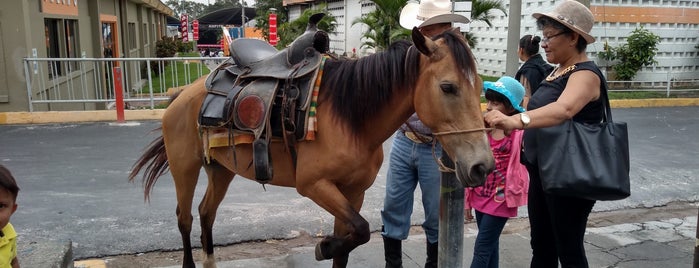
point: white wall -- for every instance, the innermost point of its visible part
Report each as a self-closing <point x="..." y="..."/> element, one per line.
<point x="676" y="56"/>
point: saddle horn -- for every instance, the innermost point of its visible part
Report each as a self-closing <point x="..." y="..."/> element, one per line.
<point x="312" y="37"/>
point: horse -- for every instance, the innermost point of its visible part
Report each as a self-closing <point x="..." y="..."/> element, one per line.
<point x="362" y="102"/>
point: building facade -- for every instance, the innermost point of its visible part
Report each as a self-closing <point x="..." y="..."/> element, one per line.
<point x="675" y="21"/>
<point x="71" y="29"/>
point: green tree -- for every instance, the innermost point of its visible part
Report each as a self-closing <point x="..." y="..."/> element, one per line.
<point x="288" y="31"/>
<point x="383" y="24"/>
<point x="191" y="8"/>
<point x="483" y="10"/>
<point x="639" y="51"/>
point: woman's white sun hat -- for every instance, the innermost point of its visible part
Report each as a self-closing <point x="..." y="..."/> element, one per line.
<point x="573" y="15"/>
<point x="428" y="12"/>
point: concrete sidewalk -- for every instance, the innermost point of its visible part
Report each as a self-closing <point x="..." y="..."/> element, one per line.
<point x="667" y="242"/>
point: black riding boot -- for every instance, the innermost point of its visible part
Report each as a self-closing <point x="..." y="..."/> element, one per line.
<point x="393" y="252"/>
<point x="432" y="251"/>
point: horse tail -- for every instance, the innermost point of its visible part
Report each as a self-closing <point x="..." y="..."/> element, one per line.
<point x="154" y="160"/>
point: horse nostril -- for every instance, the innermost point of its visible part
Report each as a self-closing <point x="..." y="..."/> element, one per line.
<point x="479" y="172"/>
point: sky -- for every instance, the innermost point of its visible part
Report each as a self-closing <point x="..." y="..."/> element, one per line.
<point x="249" y="2"/>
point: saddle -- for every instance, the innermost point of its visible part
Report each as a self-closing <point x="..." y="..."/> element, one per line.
<point x="266" y="93"/>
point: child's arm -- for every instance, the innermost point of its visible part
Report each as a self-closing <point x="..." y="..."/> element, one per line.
<point x="15" y="263"/>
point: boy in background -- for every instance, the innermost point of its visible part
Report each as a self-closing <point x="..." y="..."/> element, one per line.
<point x="8" y="206"/>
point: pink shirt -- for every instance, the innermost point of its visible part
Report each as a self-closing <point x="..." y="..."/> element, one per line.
<point x="505" y="188"/>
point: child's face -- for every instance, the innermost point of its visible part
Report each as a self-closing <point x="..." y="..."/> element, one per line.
<point x="7" y="207"/>
<point x="497" y="106"/>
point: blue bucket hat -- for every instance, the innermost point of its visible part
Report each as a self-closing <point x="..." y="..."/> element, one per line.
<point x="508" y="87"/>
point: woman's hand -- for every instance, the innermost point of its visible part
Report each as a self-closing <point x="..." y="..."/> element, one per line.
<point x="496" y="119"/>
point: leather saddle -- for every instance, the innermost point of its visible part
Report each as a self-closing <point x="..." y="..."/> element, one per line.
<point x="265" y="92"/>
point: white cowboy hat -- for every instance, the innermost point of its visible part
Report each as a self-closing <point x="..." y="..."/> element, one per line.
<point x="573" y="15"/>
<point x="428" y="12"/>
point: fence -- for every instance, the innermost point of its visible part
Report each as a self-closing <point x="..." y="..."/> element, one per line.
<point x="671" y="86"/>
<point x="70" y="84"/>
<point x="56" y="84"/>
<point x="677" y="82"/>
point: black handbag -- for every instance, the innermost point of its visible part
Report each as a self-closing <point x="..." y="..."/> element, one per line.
<point x="589" y="161"/>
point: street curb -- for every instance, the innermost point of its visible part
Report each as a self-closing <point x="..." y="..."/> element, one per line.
<point x="53" y="254"/>
<point x="18" y="118"/>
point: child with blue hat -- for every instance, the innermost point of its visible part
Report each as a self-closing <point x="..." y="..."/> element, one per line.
<point x="506" y="188"/>
<point x="506" y="91"/>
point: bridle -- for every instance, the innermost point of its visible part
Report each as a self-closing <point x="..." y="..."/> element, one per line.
<point x="442" y="167"/>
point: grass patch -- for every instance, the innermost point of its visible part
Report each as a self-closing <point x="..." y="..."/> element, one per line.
<point x="188" y="54"/>
<point x="489" y="78"/>
<point x="624" y="95"/>
<point x="177" y="74"/>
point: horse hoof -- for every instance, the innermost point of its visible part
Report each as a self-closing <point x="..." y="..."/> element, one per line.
<point x="319" y="253"/>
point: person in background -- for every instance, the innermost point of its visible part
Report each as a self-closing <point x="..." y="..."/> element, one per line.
<point x="8" y="206"/>
<point x="534" y="69"/>
<point x="505" y="189"/>
<point x="411" y="161"/>
<point x="571" y="91"/>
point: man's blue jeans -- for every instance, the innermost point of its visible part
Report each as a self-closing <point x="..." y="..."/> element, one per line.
<point x="411" y="163"/>
<point x="486" y="251"/>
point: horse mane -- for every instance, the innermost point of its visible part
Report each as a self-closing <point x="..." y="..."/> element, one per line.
<point x="461" y="52"/>
<point x="359" y="88"/>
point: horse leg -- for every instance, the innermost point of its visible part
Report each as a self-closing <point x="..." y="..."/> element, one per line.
<point x="341" y="230"/>
<point x="354" y="228"/>
<point x="185" y="177"/>
<point x="219" y="179"/>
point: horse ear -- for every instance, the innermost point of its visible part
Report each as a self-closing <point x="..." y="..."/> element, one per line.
<point x="456" y="30"/>
<point x="425" y="45"/>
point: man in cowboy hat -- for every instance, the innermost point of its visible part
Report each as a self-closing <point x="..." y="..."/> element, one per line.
<point x="406" y="170"/>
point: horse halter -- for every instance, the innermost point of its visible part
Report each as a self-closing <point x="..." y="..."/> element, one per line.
<point x="442" y="167"/>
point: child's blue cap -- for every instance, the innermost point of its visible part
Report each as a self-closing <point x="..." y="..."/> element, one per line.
<point x="508" y="87"/>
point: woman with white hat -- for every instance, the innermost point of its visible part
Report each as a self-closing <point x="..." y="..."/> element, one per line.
<point x="571" y="91"/>
<point x="411" y="160"/>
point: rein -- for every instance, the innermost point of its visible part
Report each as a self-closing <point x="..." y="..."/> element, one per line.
<point x="442" y="167"/>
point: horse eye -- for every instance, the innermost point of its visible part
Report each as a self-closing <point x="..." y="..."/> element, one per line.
<point x="448" y="88"/>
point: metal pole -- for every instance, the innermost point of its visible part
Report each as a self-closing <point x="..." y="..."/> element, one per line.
<point x="119" y="94"/>
<point x="669" y="81"/>
<point x="696" y="245"/>
<point x="451" y="218"/>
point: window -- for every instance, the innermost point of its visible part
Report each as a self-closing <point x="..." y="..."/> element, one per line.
<point x="61" y="37"/>
<point x="144" y="34"/>
<point x="132" y="35"/>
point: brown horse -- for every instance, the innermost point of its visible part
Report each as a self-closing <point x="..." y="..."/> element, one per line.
<point x="361" y="104"/>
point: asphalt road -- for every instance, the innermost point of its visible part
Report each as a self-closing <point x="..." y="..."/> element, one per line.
<point x="73" y="180"/>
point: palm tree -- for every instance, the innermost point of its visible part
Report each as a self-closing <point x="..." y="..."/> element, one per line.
<point x="482" y="10"/>
<point x="384" y="27"/>
<point x="383" y="24"/>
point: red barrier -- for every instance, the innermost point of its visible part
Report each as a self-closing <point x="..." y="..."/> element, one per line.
<point x="273" y="29"/>
<point x="119" y="94"/>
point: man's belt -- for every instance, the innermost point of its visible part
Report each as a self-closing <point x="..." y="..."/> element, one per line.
<point x="418" y="137"/>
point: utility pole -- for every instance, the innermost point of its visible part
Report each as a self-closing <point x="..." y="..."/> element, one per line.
<point x="242" y="18"/>
<point x="451" y="218"/>
<point x="696" y="245"/>
<point x="513" y="28"/>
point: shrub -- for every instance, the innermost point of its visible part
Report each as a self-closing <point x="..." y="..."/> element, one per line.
<point x="639" y="51"/>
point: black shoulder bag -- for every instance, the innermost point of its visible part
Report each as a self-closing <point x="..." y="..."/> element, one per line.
<point x="589" y="161"/>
